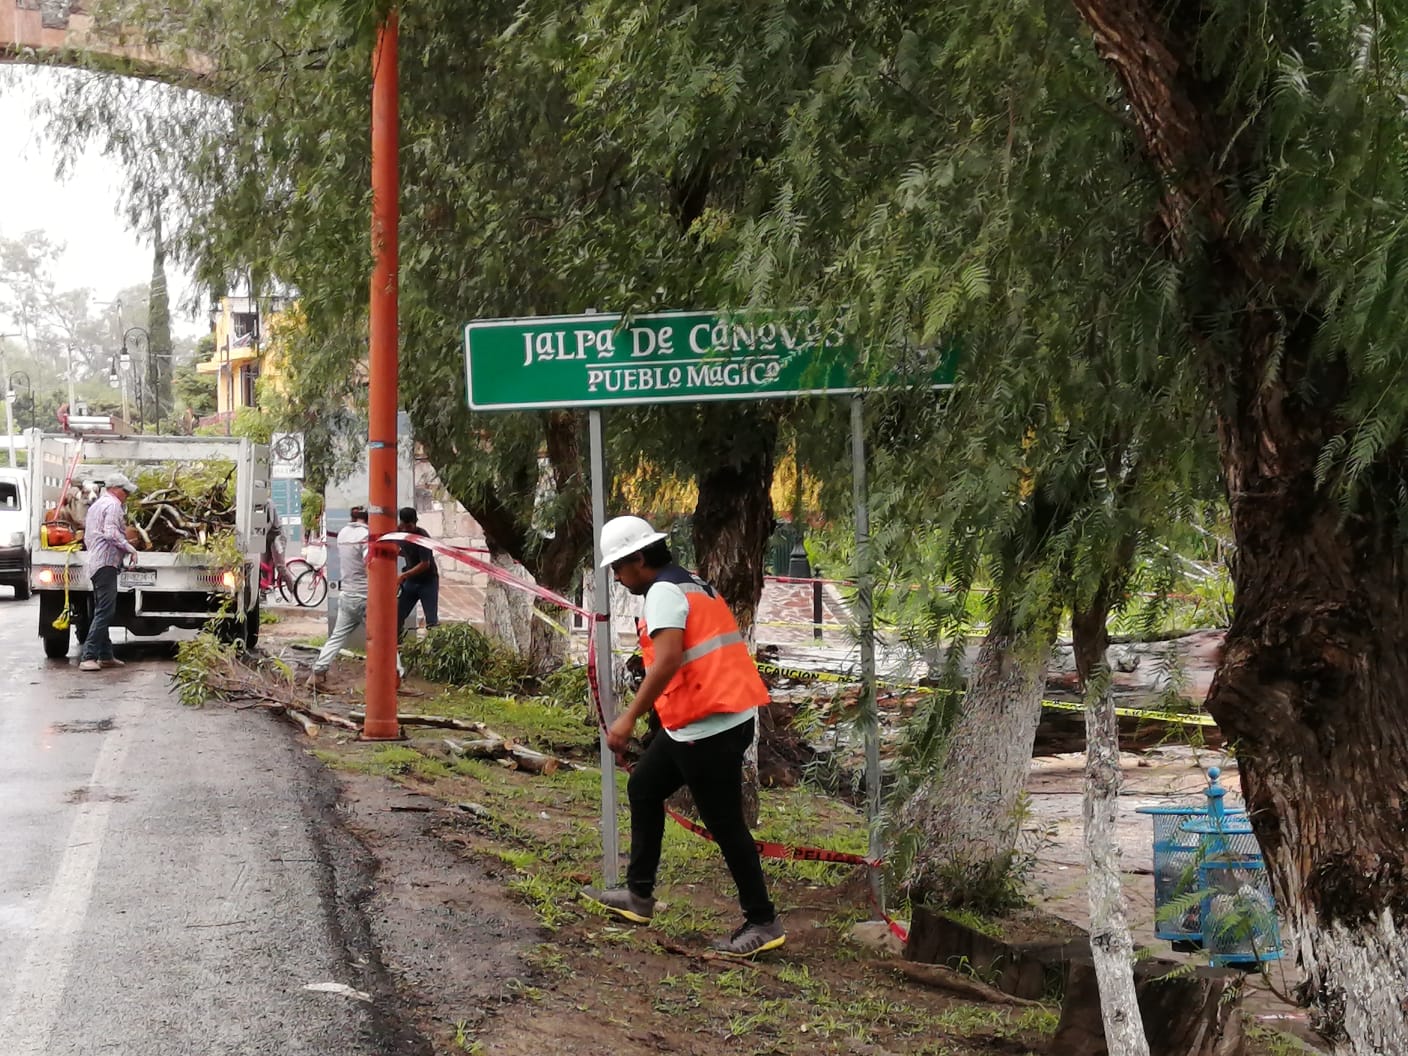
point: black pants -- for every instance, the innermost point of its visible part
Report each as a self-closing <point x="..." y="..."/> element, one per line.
<point x="713" y="770"/>
<point x="98" y="644"/>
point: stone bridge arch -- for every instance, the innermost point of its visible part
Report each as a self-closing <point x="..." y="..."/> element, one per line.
<point x="65" y="33"/>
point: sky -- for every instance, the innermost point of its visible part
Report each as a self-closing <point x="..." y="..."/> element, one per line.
<point x="82" y="212"/>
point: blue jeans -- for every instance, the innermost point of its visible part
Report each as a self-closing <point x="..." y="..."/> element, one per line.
<point x="98" y="644"/>
<point x="427" y="592"/>
<point x="351" y="614"/>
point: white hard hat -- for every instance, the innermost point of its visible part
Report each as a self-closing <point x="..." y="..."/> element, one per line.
<point x="624" y="536"/>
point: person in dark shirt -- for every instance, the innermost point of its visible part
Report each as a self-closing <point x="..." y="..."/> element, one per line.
<point x="420" y="580"/>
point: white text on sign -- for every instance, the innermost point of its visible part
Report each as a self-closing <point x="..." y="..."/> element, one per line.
<point x="546" y="346"/>
<point x="622" y="377"/>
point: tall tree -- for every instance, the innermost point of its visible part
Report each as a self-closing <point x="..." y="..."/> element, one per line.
<point x="1272" y="134"/>
<point x="159" y="350"/>
<point x="1111" y="945"/>
<point x="1255" y="148"/>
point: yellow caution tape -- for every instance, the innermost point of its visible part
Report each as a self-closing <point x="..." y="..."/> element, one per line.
<point x="801" y="674"/>
<point x="1188" y="718"/>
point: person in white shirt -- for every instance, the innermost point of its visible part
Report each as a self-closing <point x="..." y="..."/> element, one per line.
<point x="352" y="600"/>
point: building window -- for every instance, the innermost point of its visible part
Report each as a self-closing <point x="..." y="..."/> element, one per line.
<point x="248" y="377"/>
<point x="245" y="324"/>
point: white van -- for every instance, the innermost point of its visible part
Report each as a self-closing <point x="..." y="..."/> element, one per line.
<point x="14" y="530"/>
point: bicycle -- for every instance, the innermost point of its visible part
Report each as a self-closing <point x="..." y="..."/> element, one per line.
<point x="311" y="586"/>
<point x="274" y="577"/>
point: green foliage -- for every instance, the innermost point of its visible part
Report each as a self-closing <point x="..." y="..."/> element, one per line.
<point x="976" y="921"/>
<point x="193" y="390"/>
<point x="311" y="511"/>
<point x="389" y="760"/>
<point x="528" y="720"/>
<point x="253" y="424"/>
<point x="551" y="898"/>
<point x="158" y="351"/>
<point x="1267" y="1042"/>
<point x="567" y="687"/>
<point x="196" y="660"/>
<point x="212" y="479"/>
<point x="221" y="549"/>
<point x="459" y="654"/>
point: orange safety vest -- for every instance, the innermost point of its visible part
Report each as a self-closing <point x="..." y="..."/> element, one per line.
<point x="717" y="675"/>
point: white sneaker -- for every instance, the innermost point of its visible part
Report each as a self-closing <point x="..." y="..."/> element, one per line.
<point x="89" y="665"/>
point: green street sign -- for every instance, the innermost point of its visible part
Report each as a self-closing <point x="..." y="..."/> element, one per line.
<point x="667" y="357"/>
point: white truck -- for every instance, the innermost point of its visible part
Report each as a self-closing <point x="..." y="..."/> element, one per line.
<point x="14" y="530"/>
<point x="163" y="590"/>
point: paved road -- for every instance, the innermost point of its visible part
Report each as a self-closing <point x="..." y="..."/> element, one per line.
<point x="170" y="879"/>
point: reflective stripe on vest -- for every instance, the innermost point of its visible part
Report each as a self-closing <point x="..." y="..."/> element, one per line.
<point x="717" y="674"/>
<point x="707" y="646"/>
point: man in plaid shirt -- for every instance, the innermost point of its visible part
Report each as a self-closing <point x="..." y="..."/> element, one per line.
<point x="105" y="537"/>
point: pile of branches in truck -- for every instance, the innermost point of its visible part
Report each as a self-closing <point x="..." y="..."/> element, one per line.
<point x="182" y="505"/>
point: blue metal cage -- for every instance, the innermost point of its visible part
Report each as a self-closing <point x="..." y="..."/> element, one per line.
<point x="1210" y="882"/>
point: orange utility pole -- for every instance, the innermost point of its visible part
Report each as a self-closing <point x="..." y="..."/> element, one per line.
<point x="380" y="723"/>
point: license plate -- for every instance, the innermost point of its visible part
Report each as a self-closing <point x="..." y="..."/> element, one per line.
<point x="142" y="578"/>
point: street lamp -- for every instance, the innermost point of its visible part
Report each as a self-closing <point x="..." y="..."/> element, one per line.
<point x="153" y="371"/>
<point x="9" y="411"/>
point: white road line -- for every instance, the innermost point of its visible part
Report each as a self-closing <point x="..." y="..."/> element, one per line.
<point x="42" y="978"/>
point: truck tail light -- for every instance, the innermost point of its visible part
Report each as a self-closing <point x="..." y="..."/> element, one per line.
<point x="47" y="577"/>
<point x="228" y="580"/>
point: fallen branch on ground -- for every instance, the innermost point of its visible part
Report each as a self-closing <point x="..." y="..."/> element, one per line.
<point x="941" y="978"/>
<point x="305" y="712"/>
<point x="302" y="721"/>
<point x="327" y="717"/>
<point x="495" y="747"/>
<point x="207" y="670"/>
<point x="437" y="721"/>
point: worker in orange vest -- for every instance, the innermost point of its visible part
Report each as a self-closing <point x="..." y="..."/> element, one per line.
<point x="701" y="680"/>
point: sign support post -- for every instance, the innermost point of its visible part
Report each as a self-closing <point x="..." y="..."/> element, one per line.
<point x="603" y="634"/>
<point x="865" y="618"/>
<point x="595" y="360"/>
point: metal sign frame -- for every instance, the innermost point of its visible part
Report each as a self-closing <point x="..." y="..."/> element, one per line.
<point x="864" y="571"/>
<point x="654" y="361"/>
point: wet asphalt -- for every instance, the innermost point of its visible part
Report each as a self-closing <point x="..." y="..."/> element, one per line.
<point x="171" y="879"/>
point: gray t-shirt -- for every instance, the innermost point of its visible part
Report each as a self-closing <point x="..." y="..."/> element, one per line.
<point x="352" y="557"/>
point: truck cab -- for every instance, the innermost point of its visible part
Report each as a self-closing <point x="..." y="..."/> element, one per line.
<point x="14" y="530"/>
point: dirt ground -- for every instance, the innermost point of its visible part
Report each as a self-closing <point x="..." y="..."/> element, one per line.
<point x="476" y="901"/>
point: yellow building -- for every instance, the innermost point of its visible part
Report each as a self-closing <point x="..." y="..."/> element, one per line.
<point x="243" y="329"/>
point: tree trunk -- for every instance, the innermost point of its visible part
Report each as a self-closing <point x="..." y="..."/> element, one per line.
<point x="1312" y="685"/>
<point x="158" y="350"/>
<point x="548" y="647"/>
<point x="965" y="815"/>
<point x="733" y="521"/>
<point x="508" y="613"/>
<point x="1111" y="946"/>
<point x="500" y="508"/>
<point x="1312" y="690"/>
<point x="733" y="517"/>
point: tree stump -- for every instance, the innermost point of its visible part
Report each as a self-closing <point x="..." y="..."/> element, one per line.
<point x="1193" y="1014"/>
<point x="1187" y="1015"/>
